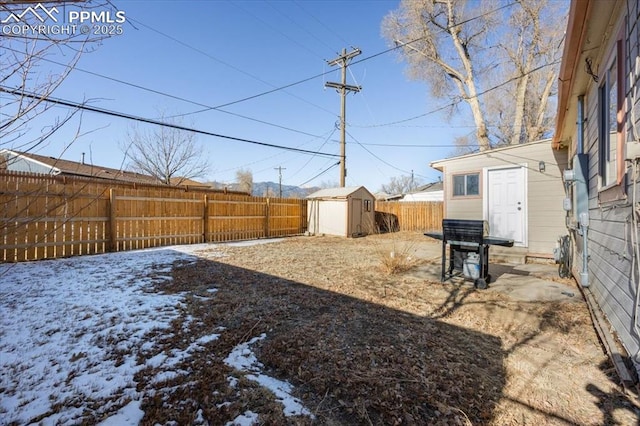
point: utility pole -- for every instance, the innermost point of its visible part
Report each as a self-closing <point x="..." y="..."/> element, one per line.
<point x="280" y="169"/>
<point x="343" y="88"/>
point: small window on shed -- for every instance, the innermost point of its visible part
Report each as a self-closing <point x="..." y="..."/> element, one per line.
<point x="367" y="205"/>
<point x="464" y="185"/>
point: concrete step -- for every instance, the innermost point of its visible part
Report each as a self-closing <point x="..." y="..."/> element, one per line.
<point x="516" y="255"/>
<point x="513" y="258"/>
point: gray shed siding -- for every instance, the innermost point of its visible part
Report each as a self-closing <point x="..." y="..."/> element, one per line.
<point x="545" y="191"/>
<point x="609" y="243"/>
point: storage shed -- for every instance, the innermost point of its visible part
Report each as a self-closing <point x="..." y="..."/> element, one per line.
<point x="346" y="212"/>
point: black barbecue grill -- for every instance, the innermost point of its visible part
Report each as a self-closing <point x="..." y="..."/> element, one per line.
<point x="468" y="249"/>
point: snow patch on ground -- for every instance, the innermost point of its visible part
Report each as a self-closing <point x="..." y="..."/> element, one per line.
<point x="129" y="415"/>
<point x="243" y="359"/>
<point x="247" y="419"/>
<point x="70" y="331"/>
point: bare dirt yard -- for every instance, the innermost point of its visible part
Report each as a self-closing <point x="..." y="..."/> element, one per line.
<point x="361" y="346"/>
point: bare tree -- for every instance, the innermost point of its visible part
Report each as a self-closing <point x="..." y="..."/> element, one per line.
<point x="35" y="59"/>
<point x="269" y="192"/>
<point x="463" y="145"/>
<point x="27" y="77"/>
<point x="169" y="154"/>
<point x="400" y="185"/>
<point x="328" y="184"/>
<point x="531" y="55"/>
<point x="464" y="52"/>
<point x="244" y="178"/>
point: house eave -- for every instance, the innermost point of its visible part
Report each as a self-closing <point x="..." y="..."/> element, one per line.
<point x="587" y="28"/>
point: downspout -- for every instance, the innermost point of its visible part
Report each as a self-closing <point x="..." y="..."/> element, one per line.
<point x="580" y="142"/>
<point x="583" y="218"/>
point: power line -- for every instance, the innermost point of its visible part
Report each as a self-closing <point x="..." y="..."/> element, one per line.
<point x="412" y="145"/>
<point x="376" y="157"/>
<point x="236" y="69"/>
<point x="320" y="174"/>
<point x="155" y="122"/>
<point x="456" y="102"/>
<point x="297" y="3"/>
<point x="319" y="148"/>
<point x="282" y="33"/>
<point x="217" y="172"/>
<point x="179" y="98"/>
<point x="276" y="89"/>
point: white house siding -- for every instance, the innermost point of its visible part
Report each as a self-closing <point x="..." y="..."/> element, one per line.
<point x="545" y="194"/>
<point x="545" y="191"/>
<point x="609" y="243"/>
<point x="17" y="163"/>
<point x="423" y="196"/>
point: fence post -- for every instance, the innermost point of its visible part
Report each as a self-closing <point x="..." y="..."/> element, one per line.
<point x="304" y="223"/>
<point x="113" y="237"/>
<point x="267" y="214"/>
<point x="205" y="218"/>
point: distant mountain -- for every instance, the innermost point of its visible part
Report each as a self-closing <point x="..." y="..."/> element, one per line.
<point x="268" y="189"/>
<point x="272" y="189"/>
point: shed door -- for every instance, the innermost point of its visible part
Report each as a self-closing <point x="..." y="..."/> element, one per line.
<point x="356" y="216"/>
<point x="506" y="204"/>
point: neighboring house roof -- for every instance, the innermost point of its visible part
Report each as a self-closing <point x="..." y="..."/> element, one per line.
<point x="588" y="21"/>
<point x="429" y="192"/>
<point x="439" y="164"/>
<point x="433" y="191"/>
<point x="430" y="187"/>
<point x="383" y="196"/>
<point x="177" y="181"/>
<point x="336" y="192"/>
<point x="58" y="166"/>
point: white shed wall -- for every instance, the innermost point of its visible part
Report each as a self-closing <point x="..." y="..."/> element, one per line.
<point x="328" y="217"/>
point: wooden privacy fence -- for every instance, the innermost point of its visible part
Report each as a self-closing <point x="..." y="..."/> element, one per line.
<point x="44" y="217"/>
<point x="414" y="216"/>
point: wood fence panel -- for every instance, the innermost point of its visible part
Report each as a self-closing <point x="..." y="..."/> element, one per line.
<point x="414" y="216"/>
<point x="44" y="217"/>
<point x="152" y="218"/>
<point x="235" y="217"/>
<point x="286" y="217"/>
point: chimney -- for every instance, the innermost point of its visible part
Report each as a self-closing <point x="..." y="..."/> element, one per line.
<point x="83" y="158"/>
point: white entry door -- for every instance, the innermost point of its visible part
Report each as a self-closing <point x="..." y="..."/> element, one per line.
<point x="506" y="204"/>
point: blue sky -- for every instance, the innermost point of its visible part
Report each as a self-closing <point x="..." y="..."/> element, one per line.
<point x="216" y="52"/>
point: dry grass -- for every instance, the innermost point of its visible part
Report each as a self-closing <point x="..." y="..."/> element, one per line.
<point x="365" y="346"/>
<point x="398" y="257"/>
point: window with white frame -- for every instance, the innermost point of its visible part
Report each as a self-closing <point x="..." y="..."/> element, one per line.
<point x="465" y="185"/>
<point x="611" y="118"/>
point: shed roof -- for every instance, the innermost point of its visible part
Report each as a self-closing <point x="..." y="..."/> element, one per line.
<point x="336" y="192"/>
